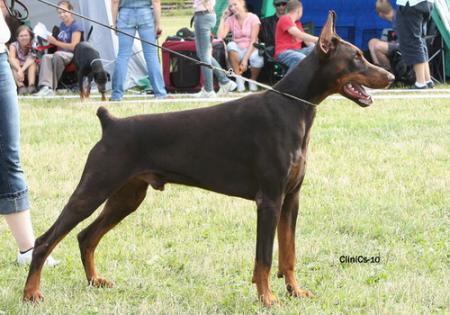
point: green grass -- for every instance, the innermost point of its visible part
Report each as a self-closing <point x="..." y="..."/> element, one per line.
<point x="377" y="183"/>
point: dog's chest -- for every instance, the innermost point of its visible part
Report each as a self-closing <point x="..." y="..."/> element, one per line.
<point x="297" y="169"/>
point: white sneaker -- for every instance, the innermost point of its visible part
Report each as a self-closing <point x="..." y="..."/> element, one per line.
<point x="44" y="91"/>
<point x="204" y="94"/>
<point x="240" y="84"/>
<point x="230" y="86"/>
<point x="252" y="87"/>
<point x="25" y="259"/>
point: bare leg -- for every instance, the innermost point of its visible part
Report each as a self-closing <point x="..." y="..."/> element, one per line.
<point x="21" y="228"/>
<point x="254" y="73"/>
<point x="118" y="206"/>
<point x="16" y="78"/>
<point x="372" y="44"/>
<point x="233" y="57"/>
<point x="378" y="51"/>
<point x="420" y="70"/>
<point x="32" y="69"/>
<point x="427" y="72"/>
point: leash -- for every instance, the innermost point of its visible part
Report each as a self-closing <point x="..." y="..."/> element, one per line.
<point x="228" y="73"/>
<point x="16" y="13"/>
<point x="106" y="62"/>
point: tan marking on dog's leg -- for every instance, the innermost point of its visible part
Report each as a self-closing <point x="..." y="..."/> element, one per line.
<point x="118" y="206"/>
<point x="286" y="246"/>
<point x="261" y="279"/>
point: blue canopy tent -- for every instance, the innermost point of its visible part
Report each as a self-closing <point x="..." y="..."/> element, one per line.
<point x="357" y="21"/>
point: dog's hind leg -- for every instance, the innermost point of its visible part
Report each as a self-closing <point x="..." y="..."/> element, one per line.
<point x="267" y="220"/>
<point x="118" y="206"/>
<point x="286" y="245"/>
<point x="101" y="177"/>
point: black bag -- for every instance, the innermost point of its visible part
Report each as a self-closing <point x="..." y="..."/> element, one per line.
<point x="184" y="74"/>
<point x="185" y="33"/>
<point x="403" y="73"/>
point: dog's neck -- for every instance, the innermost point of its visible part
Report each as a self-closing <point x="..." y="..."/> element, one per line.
<point x="96" y="65"/>
<point x="305" y="82"/>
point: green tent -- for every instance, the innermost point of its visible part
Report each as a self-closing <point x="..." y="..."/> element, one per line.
<point x="441" y="17"/>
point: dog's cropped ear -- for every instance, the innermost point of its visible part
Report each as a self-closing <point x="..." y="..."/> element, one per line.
<point x="326" y="43"/>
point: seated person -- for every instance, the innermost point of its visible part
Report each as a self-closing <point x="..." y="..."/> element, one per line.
<point x="22" y="60"/>
<point x="52" y="65"/>
<point x="244" y="27"/>
<point x="269" y="24"/>
<point x="381" y="50"/>
<point x="289" y="36"/>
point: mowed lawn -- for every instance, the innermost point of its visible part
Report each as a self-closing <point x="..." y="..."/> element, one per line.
<point x="377" y="184"/>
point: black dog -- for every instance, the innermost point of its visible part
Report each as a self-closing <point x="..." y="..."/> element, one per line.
<point x="88" y="64"/>
<point x="254" y="147"/>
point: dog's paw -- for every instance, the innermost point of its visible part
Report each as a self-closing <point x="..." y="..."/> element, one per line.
<point x="268" y="299"/>
<point x="100" y="283"/>
<point x="299" y="293"/>
<point x="32" y="296"/>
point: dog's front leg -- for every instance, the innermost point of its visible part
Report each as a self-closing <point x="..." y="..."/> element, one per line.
<point x="268" y="216"/>
<point x="88" y="87"/>
<point x="286" y="245"/>
<point x="80" y="86"/>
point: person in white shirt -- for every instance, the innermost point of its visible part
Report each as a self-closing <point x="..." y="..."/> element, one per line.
<point x="412" y="17"/>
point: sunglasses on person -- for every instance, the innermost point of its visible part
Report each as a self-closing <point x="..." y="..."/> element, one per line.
<point x="281" y="4"/>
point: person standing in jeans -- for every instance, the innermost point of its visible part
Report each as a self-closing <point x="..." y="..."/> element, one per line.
<point x="14" y="201"/>
<point x="143" y="16"/>
<point x="412" y="18"/>
<point x="204" y="20"/>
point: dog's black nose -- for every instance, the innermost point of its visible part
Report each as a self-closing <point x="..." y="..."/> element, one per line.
<point x="391" y="78"/>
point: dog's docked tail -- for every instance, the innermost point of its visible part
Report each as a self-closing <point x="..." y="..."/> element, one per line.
<point x="104" y="116"/>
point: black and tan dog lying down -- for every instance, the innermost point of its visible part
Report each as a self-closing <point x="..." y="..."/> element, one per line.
<point x="254" y="148"/>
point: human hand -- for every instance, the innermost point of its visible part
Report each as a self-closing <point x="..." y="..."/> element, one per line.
<point x="243" y="66"/>
<point x="158" y="31"/>
<point x="51" y="40"/>
<point x="226" y="13"/>
<point x="20" y="75"/>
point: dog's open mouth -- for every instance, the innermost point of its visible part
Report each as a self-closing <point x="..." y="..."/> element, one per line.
<point x="357" y="93"/>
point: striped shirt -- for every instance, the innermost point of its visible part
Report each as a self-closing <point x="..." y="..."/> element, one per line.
<point x="203" y="5"/>
<point x="135" y="3"/>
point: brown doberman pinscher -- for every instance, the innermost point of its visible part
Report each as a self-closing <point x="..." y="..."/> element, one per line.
<point x="254" y="148"/>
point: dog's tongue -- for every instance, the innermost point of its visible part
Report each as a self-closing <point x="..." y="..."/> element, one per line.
<point x="358" y="92"/>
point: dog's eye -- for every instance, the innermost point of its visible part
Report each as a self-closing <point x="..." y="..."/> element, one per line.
<point x="358" y="57"/>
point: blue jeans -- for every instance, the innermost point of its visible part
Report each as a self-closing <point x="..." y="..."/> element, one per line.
<point x="130" y="20"/>
<point x="292" y="57"/>
<point x="202" y="26"/>
<point x="13" y="189"/>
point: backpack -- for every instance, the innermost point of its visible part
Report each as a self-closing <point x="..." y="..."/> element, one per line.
<point x="185" y="34"/>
